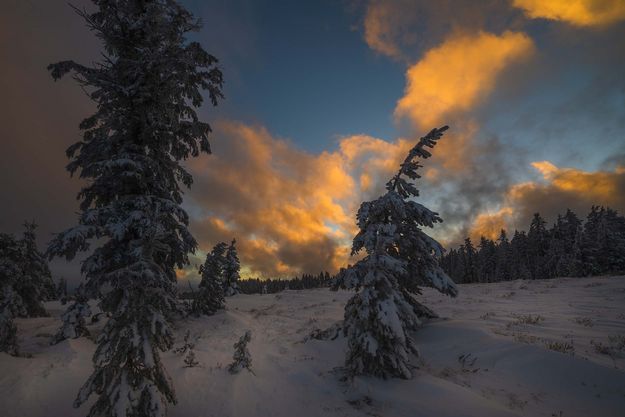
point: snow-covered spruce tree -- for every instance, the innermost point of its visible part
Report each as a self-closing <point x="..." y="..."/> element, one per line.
<point x="538" y="244"/>
<point x="11" y="302"/>
<point x="189" y="360"/>
<point x="146" y="89"/>
<point x="503" y="257"/>
<point x="36" y="284"/>
<point x="378" y="317"/>
<point x="417" y="249"/>
<point x="603" y="242"/>
<point x="188" y="345"/>
<point x="471" y="262"/>
<point x="241" y="358"/>
<point x="74" y="325"/>
<point x="8" y="334"/>
<point x="25" y="279"/>
<point x="187" y="350"/>
<point x="210" y="294"/>
<point x="400" y="257"/>
<point x="232" y="267"/>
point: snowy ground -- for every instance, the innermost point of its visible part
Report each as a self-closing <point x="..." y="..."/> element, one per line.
<point x="504" y="330"/>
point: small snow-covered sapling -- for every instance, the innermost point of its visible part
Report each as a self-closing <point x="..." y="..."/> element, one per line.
<point x="189" y="360"/>
<point x="74" y="325"/>
<point x="187" y="346"/>
<point x="241" y="357"/>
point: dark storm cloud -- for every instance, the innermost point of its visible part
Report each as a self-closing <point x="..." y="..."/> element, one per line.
<point x="473" y="191"/>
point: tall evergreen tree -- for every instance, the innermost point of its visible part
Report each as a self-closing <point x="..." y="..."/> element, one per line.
<point x="614" y="243"/>
<point x="556" y="250"/>
<point x="8" y="334"/>
<point x="591" y="241"/>
<point x="504" y="257"/>
<point x="11" y="302"/>
<point x="399" y="258"/>
<point x="36" y="284"/>
<point x="232" y="266"/>
<point x="377" y="318"/>
<point x="603" y="242"/>
<point x="470" y="261"/>
<point x="460" y="272"/>
<point x="538" y="243"/>
<point x="562" y="255"/>
<point x="520" y="256"/>
<point x="487" y="260"/>
<point x="146" y="89"/>
<point x="25" y="279"/>
<point x="575" y="266"/>
<point x="210" y="295"/>
<point x="569" y="228"/>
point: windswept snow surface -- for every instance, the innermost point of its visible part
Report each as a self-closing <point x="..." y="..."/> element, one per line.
<point x="490" y="354"/>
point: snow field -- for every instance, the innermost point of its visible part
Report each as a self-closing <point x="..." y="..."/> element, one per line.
<point x="520" y="348"/>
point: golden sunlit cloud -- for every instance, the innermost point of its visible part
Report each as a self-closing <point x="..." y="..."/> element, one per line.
<point x="290" y="211"/>
<point x="575" y="12"/>
<point x="600" y="186"/>
<point x="458" y="74"/>
<point x="274" y="199"/>
<point x="489" y="225"/>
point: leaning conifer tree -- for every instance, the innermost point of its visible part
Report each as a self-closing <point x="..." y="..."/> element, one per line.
<point x="146" y="89"/>
<point x="232" y="266"/>
<point x="210" y="295"/>
<point x="400" y="257"/>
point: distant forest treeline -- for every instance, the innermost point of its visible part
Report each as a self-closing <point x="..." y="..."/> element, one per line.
<point x="570" y="248"/>
<point x="271" y="286"/>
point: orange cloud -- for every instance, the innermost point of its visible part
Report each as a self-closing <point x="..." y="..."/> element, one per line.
<point x="384" y="24"/>
<point x="600" y="185"/>
<point x="458" y="74"/>
<point x="575" y="12"/>
<point x="290" y="211"/>
<point x="273" y="198"/>
<point x="490" y="224"/>
<point x="560" y="188"/>
<point x="372" y="160"/>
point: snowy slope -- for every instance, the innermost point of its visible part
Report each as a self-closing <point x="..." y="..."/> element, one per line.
<point x="503" y="330"/>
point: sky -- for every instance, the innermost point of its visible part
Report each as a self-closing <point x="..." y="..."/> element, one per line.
<point x="325" y="98"/>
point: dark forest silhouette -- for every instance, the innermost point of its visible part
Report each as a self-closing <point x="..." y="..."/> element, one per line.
<point x="570" y="248"/>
